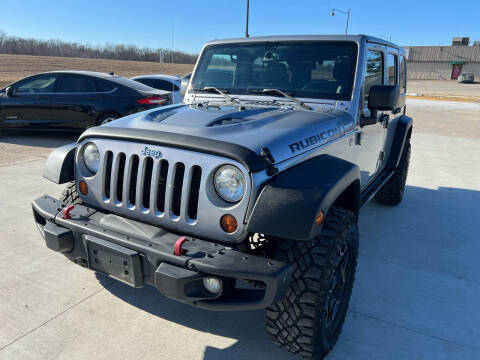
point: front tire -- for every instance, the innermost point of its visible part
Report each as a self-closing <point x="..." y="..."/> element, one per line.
<point x="309" y="318"/>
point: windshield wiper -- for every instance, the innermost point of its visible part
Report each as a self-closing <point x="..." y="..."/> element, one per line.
<point x="276" y="91"/>
<point x="214" y="89"/>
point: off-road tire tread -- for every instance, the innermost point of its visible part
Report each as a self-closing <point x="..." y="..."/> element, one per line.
<point x="292" y="321"/>
<point x="70" y="195"/>
<point x="392" y="191"/>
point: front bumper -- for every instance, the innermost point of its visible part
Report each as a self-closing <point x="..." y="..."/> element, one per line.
<point x="138" y="254"/>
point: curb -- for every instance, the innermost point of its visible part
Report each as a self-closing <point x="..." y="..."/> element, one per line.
<point x="443" y="98"/>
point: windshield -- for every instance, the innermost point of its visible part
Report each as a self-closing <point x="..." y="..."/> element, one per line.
<point x="308" y="69"/>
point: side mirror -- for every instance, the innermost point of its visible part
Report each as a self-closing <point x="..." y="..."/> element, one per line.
<point x="383" y="97"/>
<point x="9" y="91"/>
<point x="184" y="84"/>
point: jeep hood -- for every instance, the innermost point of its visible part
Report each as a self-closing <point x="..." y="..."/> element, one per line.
<point x="285" y="133"/>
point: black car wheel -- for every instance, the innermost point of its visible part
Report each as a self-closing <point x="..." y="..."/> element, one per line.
<point x="106" y="118"/>
<point x="309" y="318"/>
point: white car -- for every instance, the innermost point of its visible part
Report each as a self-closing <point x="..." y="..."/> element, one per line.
<point x="466" y="78"/>
<point x="163" y="82"/>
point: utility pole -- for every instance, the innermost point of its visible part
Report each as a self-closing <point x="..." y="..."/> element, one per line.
<point x="246" y="26"/>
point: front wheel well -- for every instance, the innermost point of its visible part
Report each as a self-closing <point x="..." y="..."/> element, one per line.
<point x="350" y="198"/>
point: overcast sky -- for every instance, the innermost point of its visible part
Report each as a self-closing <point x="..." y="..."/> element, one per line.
<point x="149" y="23"/>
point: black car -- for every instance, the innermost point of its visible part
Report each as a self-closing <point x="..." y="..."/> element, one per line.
<point x="72" y="100"/>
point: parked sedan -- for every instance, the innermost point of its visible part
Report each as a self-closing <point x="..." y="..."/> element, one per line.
<point x="466" y="78"/>
<point x="168" y="83"/>
<point x="72" y="100"/>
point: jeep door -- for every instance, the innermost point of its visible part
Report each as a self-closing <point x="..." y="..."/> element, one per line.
<point x="29" y="106"/>
<point x="372" y="137"/>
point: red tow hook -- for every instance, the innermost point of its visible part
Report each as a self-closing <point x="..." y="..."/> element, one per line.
<point x="66" y="211"/>
<point x="177" y="249"/>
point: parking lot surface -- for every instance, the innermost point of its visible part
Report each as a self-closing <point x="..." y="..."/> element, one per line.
<point x="444" y="88"/>
<point x="416" y="294"/>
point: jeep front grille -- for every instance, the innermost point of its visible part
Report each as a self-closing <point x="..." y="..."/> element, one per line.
<point x="172" y="190"/>
<point x="148" y="185"/>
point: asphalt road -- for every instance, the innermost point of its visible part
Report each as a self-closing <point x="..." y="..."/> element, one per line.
<point x="416" y="294"/>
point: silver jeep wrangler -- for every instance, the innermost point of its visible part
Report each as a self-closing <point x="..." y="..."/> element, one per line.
<point x="248" y="194"/>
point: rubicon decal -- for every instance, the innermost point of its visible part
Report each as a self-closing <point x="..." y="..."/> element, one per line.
<point x="320" y="138"/>
<point x="155" y="153"/>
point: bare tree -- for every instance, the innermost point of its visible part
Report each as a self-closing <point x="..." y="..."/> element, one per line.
<point x="55" y="47"/>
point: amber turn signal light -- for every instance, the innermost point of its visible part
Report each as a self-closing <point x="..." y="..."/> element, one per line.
<point x="319" y="218"/>
<point x="228" y="223"/>
<point x="82" y="186"/>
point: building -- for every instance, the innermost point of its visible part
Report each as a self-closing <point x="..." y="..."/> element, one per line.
<point x="443" y="62"/>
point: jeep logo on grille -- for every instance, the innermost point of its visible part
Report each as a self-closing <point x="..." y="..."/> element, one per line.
<point x="155" y="153"/>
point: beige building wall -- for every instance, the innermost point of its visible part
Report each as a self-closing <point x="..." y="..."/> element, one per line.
<point x="429" y="70"/>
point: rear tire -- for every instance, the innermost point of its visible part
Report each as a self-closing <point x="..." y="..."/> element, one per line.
<point x="70" y="195"/>
<point x="308" y="320"/>
<point x="392" y="191"/>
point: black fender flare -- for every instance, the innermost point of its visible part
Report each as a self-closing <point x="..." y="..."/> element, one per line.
<point x="60" y="164"/>
<point x="402" y="132"/>
<point x="290" y="201"/>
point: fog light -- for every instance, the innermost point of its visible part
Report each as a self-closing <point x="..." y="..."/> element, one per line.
<point x="212" y="284"/>
<point x="82" y="186"/>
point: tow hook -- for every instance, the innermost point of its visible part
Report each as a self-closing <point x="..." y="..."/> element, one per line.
<point x="177" y="249"/>
<point x="66" y="211"/>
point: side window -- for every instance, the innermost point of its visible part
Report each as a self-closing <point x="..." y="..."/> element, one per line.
<point x="392" y="69"/>
<point x="166" y="85"/>
<point x="159" y="84"/>
<point x="77" y="84"/>
<point x="37" y="84"/>
<point x="403" y="74"/>
<point x="374" y="71"/>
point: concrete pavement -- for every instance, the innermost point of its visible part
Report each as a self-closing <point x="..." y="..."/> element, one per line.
<point x="416" y="294"/>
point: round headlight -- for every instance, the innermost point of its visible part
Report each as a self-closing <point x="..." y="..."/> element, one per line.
<point x="230" y="183"/>
<point x="91" y="157"/>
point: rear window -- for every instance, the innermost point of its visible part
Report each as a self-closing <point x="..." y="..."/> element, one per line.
<point x="77" y="84"/>
<point x="403" y="74"/>
<point x="105" y="85"/>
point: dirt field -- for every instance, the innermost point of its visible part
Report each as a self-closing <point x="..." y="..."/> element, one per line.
<point x="14" y="67"/>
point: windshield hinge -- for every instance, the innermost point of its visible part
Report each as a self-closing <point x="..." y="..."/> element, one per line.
<point x="265" y="153"/>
